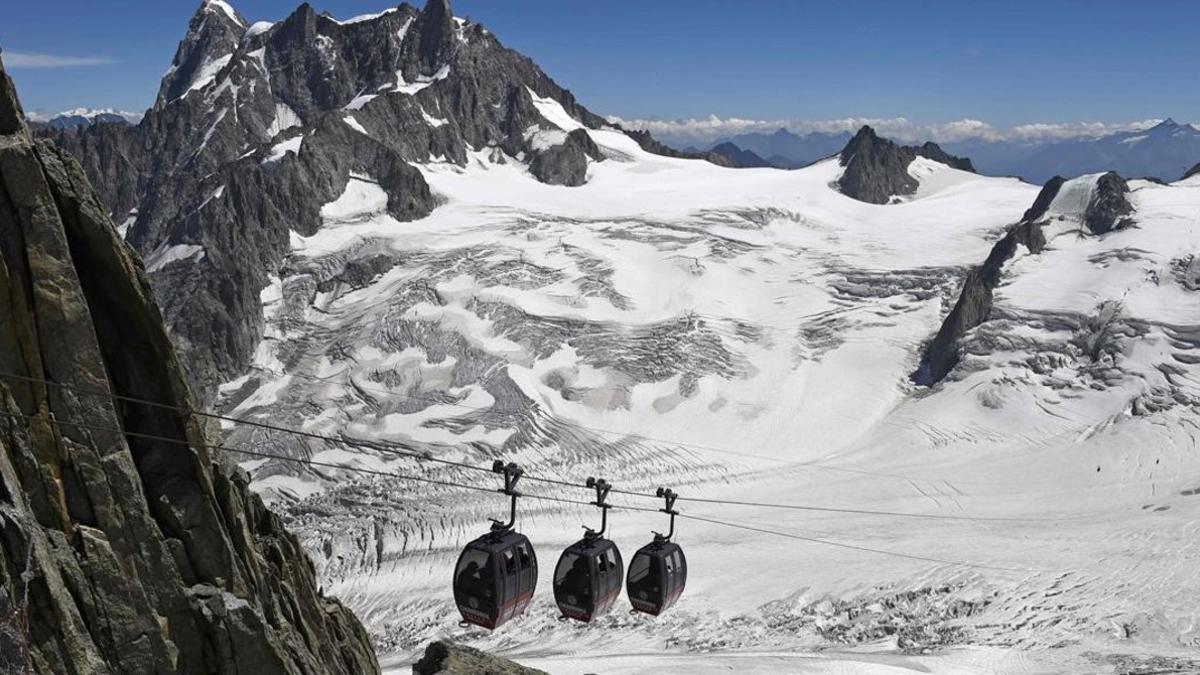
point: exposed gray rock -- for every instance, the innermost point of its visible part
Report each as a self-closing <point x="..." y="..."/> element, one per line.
<point x="448" y="658"/>
<point x="1109" y="206"/>
<point x="877" y="169"/>
<point x="1191" y="172"/>
<point x="126" y="545"/>
<point x="1044" y="199"/>
<point x="974" y="305"/>
<point x="566" y="163"/>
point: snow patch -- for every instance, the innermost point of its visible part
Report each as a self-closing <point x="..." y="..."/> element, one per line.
<point x="421" y="82"/>
<point x="355" y="125"/>
<point x="257" y="28"/>
<point x="285" y="118"/>
<point x="360" y="101"/>
<point x="361" y="17"/>
<point x="554" y="112"/>
<point x="281" y="149"/>
<point x="431" y="120"/>
<point x="226" y="8"/>
<point x="361" y="199"/>
<point x="165" y="255"/>
<point x="206" y="73"/>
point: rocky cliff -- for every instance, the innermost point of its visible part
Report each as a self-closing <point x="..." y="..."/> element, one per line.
<point x="876" y="169"/>
<point x="126" y="544"/>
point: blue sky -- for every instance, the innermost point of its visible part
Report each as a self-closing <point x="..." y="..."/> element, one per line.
<point x="1008" y="63"/>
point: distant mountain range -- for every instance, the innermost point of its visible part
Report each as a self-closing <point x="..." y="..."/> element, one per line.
<point x="1164" y="151"/>
<point x="81" y="118"/>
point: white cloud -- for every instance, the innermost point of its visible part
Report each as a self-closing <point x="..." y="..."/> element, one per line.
<point x="1052" y="132"/>
<point x="712" y="128"/>
<point x="28" y="60"/>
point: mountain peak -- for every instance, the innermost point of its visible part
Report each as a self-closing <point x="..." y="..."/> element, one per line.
<point x="213" y="35"/>
<point x="877" y="168"/>
<point x="435" y="35"/>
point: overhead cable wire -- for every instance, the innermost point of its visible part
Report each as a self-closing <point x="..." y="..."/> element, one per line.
<point x="408" y="451"/>
<point x="454" y="484"/>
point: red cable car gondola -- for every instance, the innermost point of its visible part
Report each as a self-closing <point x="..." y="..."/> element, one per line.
<point x="587" y="579"/>
<point x="496" y="574"/>
<point x="658" y="571"/>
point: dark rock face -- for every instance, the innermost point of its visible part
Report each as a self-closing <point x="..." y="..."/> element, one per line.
<point x="1044" y="199"/>
<point x="974" y="304"/>
<point x="209" y="171"/>
<point x="1191" y="172"/>
<point x="1109" y="207"/>
<point x="739" y="158"/>
<point x="877" y="168"/>
<point x="125" y="543"/>
<point x="566" y="163"/>
<point x="447" y="658"/>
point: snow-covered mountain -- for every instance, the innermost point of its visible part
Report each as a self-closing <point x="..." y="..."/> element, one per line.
<point x="392" y="228"/>
<point x="80" y="118"/>
<point x="1164" y="151"/>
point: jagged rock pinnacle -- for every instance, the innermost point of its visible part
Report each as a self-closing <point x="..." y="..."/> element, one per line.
<point x="435" y="34"/>
<point x="877" y="168"/>
<point x="12" y="118"/>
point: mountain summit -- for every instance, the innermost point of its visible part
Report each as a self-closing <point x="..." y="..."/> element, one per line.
<point x="876" y="169"/>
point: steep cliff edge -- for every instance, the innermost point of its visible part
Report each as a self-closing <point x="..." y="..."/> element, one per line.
<point x="126" y="546"/>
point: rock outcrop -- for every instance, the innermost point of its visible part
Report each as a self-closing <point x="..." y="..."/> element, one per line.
<point x="974" y="304"/>
<point x="1194" y="171"/>
<point x="876" y="169"/>
<point x="447" y="658"/>
<point x="127" y="545"/>
<point x="1109" y="207"/>
<point x="567" y="162"/>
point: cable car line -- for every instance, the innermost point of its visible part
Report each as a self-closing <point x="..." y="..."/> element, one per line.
<point x="542" y="497"/>
<point x="405" y="450"/>
<point x="855" y="547"/>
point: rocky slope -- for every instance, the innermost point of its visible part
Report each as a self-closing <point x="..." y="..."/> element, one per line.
<point x="877" y="169"/>
<point x="1105" y="208"/>
<point x="256" y="127"/>
<point x="126" y="544"/>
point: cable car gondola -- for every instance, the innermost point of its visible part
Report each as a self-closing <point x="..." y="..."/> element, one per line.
<point x="587" y="579"/>
<point x="658" y="571"/>
<point x="497" y="573"/>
